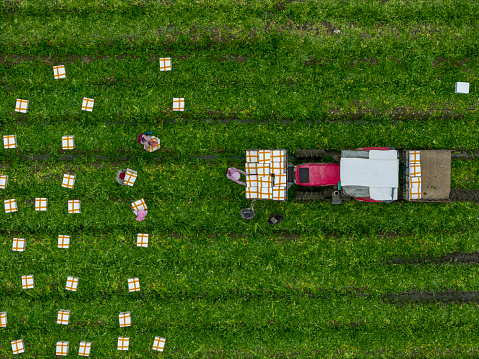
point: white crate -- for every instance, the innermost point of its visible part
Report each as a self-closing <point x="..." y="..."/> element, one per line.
<point x="264" y="155"/>
<point x="265" y="192"/>
<point x="41" y="204"/>
<point x="87" y="104"/>
<point x="462" y="87"/>
<point x="142" y="240"/>
<point x="3" y="319"/>
<point x="252" y="156"/>
<point x="74" y="206"/>
<point x="123" y="343"/>
<point x="10" y="205"/>
<point x="63" y="241"/>
<point x="165" y="64"/>
<point x="85" y="348"/>
<point x="252" y="180"/>
<point x="279" y="193"/>
<point x="159" y="344"/>
<point x="263" y="169"/>
<point x="27" y="281"/>
<point x="251" y="168"/>
<point x="414" y="187"/>
<point x="125" y="319"/>
<point x="414" y="156"/>
<point x="68" y="142"/>
<point x="154" y="148"/>
<point x="21" y="106"/>
<point x="278" y="156"/>
<point x="139" y="205"/>
<point x="178" y="104"/>
<point x="68" y="181"/>
<point x="18" y="347"/>
<point x="62" y="348"/>
<point x="10" y="141"/>
<point x="130" y="177"/>
<point x="59" y="72"/>
<point x="277" y="168"/>
<point x="3" y="181"/>
<point x="251" y="192"/>
<point x="280" y="180"/>
<point x="18" y="244"/>
<point x="133" y="284"/>
<point x="63" y="317"/>
<point x="265" y="181"/>
<point x="72" y="283"/>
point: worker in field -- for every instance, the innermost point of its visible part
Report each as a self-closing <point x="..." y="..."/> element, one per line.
<point x="234" y="174"/>
<point x="141" y="214"/>
<point x="146" y="140"/>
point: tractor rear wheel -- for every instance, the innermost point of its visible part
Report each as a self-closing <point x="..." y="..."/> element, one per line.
<point x="309" y="153"/>
<point x="309" y="196"/>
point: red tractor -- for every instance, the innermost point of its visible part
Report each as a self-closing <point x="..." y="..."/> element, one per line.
<point x="377" y="174"/>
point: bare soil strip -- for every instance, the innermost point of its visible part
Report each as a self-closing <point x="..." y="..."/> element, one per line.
<point x="449" y="258"/>
<point x="421" y="297"/>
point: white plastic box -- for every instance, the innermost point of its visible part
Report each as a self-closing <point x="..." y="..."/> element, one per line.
<point x="125" y="319"/>
<point x="133" y="284"/>
<point x="85" y="348"/>
<point x="27" y="281"/>
<point x="3" y="319"/>
<point x="21" y="106"/>
<point x="63" y="241"/>
<point x="178" y="104"/>
<point x="10" y="141"/>
<point x="63" y="317"/>
<point x="62" y="348"/>
<point x="462" y="87"/>
<point x="142" y="240"/>
<point x="165" y="64"/>
<point x="72" y="283"/>
<point x="41" y="204"/>
<point x="3" y="181"/>
<point x="59" y="72"/>
<point x="10" y="205"/>
<point x="87" y="104"/>
<point x="18" y="347"/>
<point x="68" y="181"/>
<point x="74" y="206"/>
<point x="18" y="244"/>
<point x="123" y="343"/>
<point x="159" y="344"/>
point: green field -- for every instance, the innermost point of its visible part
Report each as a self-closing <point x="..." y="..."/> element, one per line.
<point x="356" y="280"/>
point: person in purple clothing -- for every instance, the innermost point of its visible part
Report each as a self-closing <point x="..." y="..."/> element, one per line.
<point x="234" y="174"/>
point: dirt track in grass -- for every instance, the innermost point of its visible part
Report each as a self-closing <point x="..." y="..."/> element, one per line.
<point x="450" y="296"/>
<point x="449" y="258"/>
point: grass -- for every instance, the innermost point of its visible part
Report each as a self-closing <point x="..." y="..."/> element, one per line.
<point x="320" y="284"/>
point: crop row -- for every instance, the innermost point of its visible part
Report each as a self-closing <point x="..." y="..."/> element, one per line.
<point x="246" y="12"/>
<point x="320" y="291"/>
<point x="211" y="265"/>
<point x="381" y="77"/>
<point x="200" y="138"/>
<point x="177" y="193"/>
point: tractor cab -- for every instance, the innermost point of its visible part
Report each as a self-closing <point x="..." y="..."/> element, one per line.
<point x="368" y="174"/>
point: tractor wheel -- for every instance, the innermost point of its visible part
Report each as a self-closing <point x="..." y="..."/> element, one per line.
<point x="309" y="153"/>
<point x="309" y="196"/>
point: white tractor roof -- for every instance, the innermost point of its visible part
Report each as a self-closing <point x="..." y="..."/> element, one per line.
<point x="379" y="172"/>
